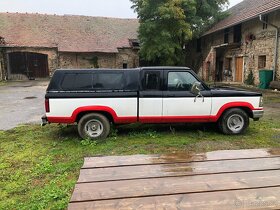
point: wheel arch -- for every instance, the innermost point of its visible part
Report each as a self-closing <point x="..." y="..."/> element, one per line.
<point x="106" y="114"/>
<point x="106" y="111"/>
<point x="246" y="107"/>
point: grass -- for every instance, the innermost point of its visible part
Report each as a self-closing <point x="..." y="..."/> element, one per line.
<point x="39" y="166"/>
<point x="2" y="83"/>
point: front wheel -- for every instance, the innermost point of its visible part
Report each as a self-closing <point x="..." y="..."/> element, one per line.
<point x="234" y="121"/>
<point x="94" y="126"/>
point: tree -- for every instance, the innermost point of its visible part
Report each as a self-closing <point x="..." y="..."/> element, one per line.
<point x="166" y="25"/>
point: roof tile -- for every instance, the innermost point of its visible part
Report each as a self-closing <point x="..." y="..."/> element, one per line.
<point x="246" y="10"/>
<point x="69" y="33"/>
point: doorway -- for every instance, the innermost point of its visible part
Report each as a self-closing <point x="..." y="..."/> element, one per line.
<point x="239" y="69"/>
<point x="33" y="65"/>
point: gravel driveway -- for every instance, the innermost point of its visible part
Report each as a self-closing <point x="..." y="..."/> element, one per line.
<point x="21" y="102"/>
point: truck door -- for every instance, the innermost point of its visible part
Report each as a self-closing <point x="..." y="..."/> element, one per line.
<point x="179" y="103"/>
<point x="150" y="96"/>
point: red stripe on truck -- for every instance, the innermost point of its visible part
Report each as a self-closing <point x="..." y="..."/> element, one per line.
<point x="174" y="119"/>
<point x="196" y="119"/>
<point x="85" y="109"/>
<point x="232" y="105"/>
<point x="150" y="119"/>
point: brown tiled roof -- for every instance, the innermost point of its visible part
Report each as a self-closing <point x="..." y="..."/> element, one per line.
<point x="69" y="33"/>
<point x="246" y="10"/>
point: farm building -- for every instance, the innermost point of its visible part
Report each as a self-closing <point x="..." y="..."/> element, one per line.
<point x="34" y="45"/>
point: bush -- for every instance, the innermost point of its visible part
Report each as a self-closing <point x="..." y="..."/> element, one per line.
<point x="250" y="79"/>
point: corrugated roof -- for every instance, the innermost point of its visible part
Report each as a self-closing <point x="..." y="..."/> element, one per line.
<point x="69" y="33"/>
<point x="246" y="10"/>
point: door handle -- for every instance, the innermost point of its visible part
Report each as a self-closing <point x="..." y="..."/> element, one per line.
<point x="198" y="97"/>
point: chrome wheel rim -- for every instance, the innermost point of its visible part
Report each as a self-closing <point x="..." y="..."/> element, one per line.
<point x="235" y="123"/>
<point x="94" y="128"/>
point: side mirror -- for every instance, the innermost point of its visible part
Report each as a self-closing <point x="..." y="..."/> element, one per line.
<point x="196" y="88"/>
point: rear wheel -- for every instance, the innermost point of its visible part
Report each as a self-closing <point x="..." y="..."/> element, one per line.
<point x="94" y="126"/>
<point x="234" y="121"/>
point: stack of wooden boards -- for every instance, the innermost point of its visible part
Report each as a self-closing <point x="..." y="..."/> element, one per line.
<point x="241" y="179"/>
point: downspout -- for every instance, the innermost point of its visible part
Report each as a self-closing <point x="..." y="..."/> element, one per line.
<point x="276" y="46"/>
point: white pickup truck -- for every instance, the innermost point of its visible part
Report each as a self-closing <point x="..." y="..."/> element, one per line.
<point x="96" y="99"/>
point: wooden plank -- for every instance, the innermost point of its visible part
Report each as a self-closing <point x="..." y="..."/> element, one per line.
<point x="177" y="169"/>
<point x="110" y="161"/>
<point x="177" y="185"/>
<point x="265" y="198"/>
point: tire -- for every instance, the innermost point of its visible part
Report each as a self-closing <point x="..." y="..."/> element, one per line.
<point x="94" y="126"/>
<point x="233" y="122"/>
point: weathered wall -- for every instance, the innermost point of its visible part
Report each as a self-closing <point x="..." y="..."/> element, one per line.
<point x="128" y="56"/>
<point x="264" y="44"/>
<point x="71" y="60"/>
<point x="250" y="49"/>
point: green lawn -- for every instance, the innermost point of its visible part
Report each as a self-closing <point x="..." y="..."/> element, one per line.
<point x="2" y="83"/>
<point x="39" y="166"/>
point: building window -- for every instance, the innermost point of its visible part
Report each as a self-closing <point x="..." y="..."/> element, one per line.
<point x="124" y="65"/>
<point x="198" y="45"/>
<point x="265" y="19"/>
<point x="228" y="67"/>
<point x="226" y="35"/>
<point x="262" y="61"/>
<point x="237" y="34"/>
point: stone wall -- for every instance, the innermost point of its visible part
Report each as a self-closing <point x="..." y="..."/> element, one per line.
<point x="127" y="56"/>
<point x="255" y="42"/>
<point x="69" y="60"/>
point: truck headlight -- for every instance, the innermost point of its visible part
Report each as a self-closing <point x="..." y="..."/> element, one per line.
<point x="261" y="102"/>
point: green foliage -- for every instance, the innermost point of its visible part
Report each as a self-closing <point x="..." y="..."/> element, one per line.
<point x="250" y="79"/>
<point x="88" y="142"/>
<point x="94" y="62"/>
<point x="166" y="26"/>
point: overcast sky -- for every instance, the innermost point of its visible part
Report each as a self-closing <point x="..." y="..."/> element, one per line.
<point x="106" y="8"/>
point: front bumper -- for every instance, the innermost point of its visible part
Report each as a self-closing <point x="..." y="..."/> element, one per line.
<point x="257" y="114"/>
<point x="44" y="120"/>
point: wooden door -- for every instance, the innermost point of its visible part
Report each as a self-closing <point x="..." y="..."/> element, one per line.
<point x="239" y="69"/>
<point x="37" y="65"/>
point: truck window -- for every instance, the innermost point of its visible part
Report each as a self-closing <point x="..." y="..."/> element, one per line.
<point x="83" y="82"/>
<point x="180" y="81"/>
<point x="109" y="81"/>
<point x="77" y="82"/>
<point x="151" y="80"/>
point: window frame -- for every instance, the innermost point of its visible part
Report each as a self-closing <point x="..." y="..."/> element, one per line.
<point x="265" y="19"/>
<point x="143" y="80"/>
<point x="237" y="33"/>
<point x="73" y="87"/>
<point x="262" y="60"/>
<point x="97" y="74"/>
<point x="226" y="35"/>
<point x="166" y="72"/>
